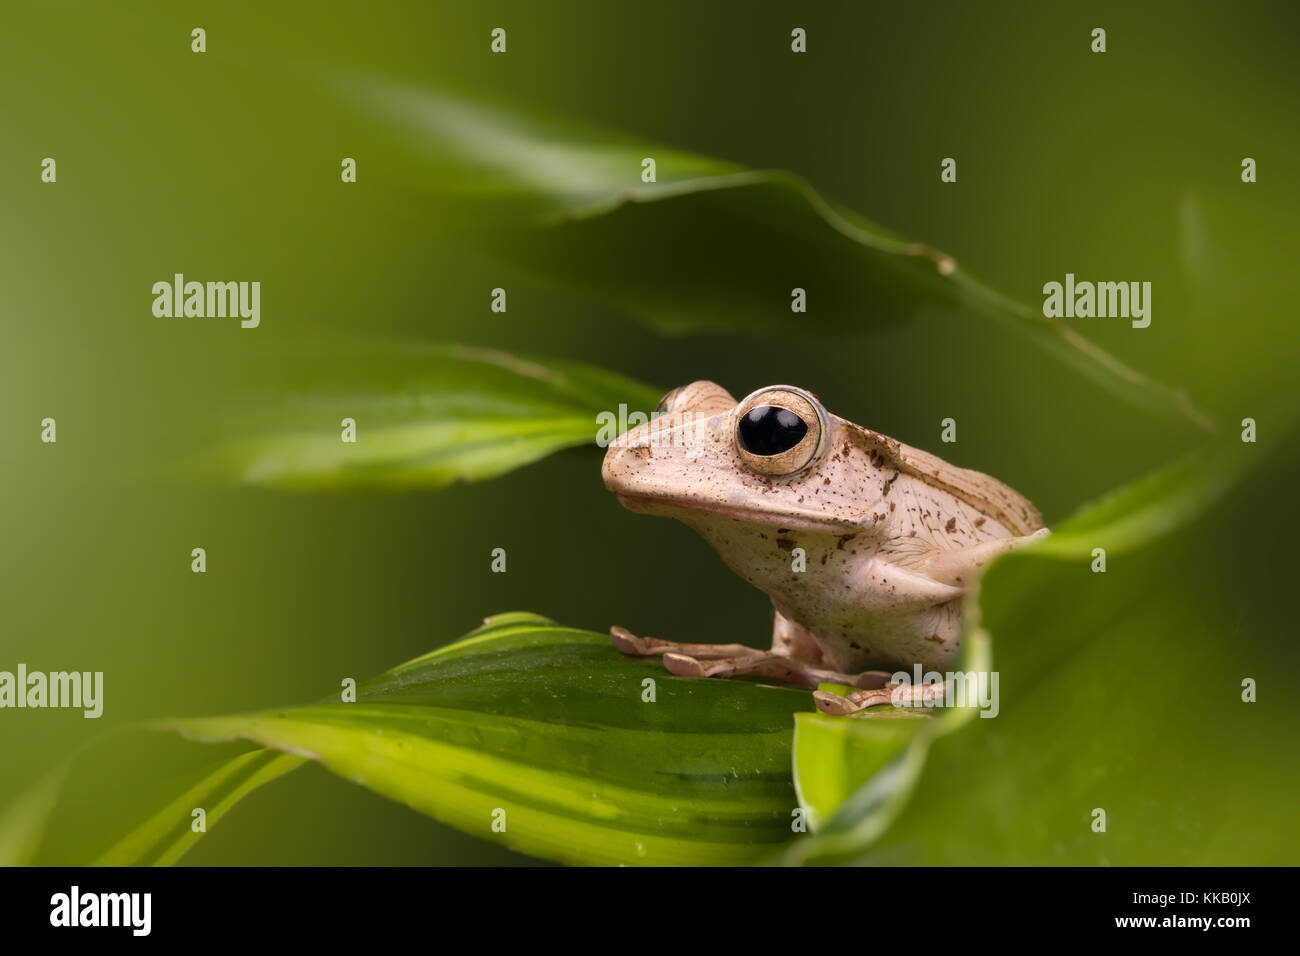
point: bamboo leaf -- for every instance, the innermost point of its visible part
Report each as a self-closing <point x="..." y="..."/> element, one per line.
<point x="423" y="416"/>
<point x="23" y="822"/>
<point x="163" y="838"/>
<point x="545" y="729"/>
<point x="708" y="246"/>
<point x="1120" y="692"/>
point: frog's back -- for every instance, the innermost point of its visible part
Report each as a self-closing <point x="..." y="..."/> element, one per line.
<point x="982" y="492"/>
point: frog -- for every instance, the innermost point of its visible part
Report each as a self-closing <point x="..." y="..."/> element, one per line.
<point x="867" y="547"/>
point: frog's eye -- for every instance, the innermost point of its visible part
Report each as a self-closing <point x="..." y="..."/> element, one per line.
<point x="666" y="403"/>
<point x="779" y="430"/>
<point x="704" y="399"/>
<point x="768" y="430"/>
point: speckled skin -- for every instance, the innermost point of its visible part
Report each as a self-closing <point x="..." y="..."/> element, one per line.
<point x="892" y="535"/>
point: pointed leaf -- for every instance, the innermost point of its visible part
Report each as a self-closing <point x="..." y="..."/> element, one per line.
<point x="1120" y="692"/>
<point x="423" y="416"/>
<point x="545" y="729"/>
<point x="163" y="838"/>
<point x="708" y="245"/>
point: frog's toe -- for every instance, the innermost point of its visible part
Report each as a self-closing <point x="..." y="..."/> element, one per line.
<point x="684" y="666"/>
<point x="856" y="700"/>
<point x="627" y="642"/>
<point x="829" y="703"/>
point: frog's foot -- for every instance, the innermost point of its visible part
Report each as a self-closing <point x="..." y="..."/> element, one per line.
<point x="634" y="646"/>
<point x="830" y="703"/>
<point x="900" y="695"/>
<point x="771" y="665"/>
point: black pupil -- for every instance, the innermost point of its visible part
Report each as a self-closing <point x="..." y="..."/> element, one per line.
<point x="770" y="430"/>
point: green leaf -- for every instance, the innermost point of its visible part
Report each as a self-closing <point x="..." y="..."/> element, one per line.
<point x="855" y="774"/>
<point x="710" y="245"/>
<point x="1119" y="691"/>
<point x="425" y="416"/>
<point x="548" y="724"/>
<point x="164" y="837"/>
<point x="23" y="822"/>
<point x="1146" y="510"/>
<point x="835" y="755"/>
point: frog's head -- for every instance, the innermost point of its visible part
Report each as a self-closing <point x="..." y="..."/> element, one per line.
<point x="776" y="458"/>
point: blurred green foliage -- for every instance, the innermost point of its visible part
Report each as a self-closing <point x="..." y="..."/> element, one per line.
<point x="225" y="166"/>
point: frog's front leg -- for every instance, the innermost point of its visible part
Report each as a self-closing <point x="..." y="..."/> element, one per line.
<point x="768" y="664"/>
<point x="958" y="568"/>
<point x="793" y="659"/>
<point x="634" y="646"/>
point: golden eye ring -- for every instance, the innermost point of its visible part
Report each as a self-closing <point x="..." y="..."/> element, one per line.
<point x="780" y="430"/>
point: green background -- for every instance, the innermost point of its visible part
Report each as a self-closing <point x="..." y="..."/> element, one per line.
<point x="225" y="165"/>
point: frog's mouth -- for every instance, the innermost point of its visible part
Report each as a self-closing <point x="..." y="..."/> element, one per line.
<point x="795" y="521"/>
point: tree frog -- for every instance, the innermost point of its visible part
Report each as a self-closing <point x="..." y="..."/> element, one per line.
<point x="865" y="545"/>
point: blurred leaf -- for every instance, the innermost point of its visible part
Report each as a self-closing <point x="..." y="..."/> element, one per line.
<point x="1153" y="506"/>
<point x="1118" y="690"/>
<point x="163" y="838"/>
<point x="547" y="723"/>
<point x="709" y="246"/>
<point x="23" y="822"/>
<point x="69" y="818"/>
<point x="1237" y="253"/>
<point x="425" y="416"/>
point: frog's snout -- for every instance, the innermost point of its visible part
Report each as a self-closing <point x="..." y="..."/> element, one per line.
<point x="613" y="467"/>
<point x="623" y="469"/>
